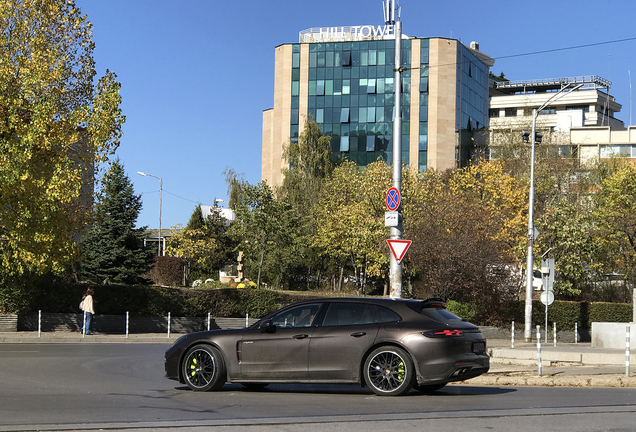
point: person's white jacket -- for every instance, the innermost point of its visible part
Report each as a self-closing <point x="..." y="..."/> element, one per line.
<point x="88" y="304"/>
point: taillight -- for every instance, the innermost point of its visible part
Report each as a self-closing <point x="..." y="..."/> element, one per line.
<point x="443" y="333"/>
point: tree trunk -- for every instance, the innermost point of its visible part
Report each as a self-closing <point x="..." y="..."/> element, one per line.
<point x="340" y="278"/>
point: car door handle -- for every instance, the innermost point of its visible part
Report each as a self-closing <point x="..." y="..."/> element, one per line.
<point x="358" y="334"/>
<point x="300" y="336"/>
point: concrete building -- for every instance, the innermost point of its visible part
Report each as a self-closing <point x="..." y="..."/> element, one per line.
<point x="580" y="123"/>
<point x="511" y="104"/>
<point x="344" y="78"/>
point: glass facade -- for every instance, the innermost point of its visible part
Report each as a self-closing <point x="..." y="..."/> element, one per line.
<point x="351" y="96"/>
<point x="472" y="102"/>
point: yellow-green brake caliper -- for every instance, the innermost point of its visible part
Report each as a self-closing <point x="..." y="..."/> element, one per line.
<point x="193" y="367"/>
<point x="400" y="376"/>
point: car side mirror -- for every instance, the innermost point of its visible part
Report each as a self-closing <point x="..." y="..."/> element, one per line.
<point x="268" y="327"/>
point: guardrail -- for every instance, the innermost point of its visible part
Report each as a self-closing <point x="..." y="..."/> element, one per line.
<point x="117" y="324"/>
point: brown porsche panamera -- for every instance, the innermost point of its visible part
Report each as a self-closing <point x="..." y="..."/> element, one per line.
<point x="389" y="345"/>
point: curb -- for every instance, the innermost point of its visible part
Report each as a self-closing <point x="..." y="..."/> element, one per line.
<point x="533" y="380"/>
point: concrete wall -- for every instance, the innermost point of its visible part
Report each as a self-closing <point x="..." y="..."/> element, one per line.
<point x="612" y="335"/>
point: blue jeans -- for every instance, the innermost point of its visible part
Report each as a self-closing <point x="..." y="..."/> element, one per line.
<point x="89" y="321"/>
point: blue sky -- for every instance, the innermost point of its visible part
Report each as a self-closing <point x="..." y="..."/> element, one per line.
<point x="197" y="75"/>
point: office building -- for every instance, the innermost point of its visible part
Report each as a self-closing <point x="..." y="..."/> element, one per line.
<point x="343" y="77"/>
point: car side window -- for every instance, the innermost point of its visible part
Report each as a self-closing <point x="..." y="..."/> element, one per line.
<point x="387" y="315"/>
<point x="299" y="316"/>
<point x="340" y="314"/>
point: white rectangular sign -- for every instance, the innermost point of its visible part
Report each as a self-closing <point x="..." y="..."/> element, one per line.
<point x="391" y="219"/>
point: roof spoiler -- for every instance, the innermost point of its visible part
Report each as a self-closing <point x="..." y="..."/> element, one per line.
<point x="434" y="302"/>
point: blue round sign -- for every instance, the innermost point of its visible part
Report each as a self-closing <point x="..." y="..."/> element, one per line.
<point x="393" y="199"/>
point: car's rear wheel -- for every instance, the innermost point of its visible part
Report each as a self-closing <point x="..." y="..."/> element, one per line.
<point x="428" y="389"/>
<point x="203" y="368"/>
<point x="389" y="371"/>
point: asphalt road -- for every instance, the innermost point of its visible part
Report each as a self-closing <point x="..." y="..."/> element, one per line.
<point x="121" y="386"/>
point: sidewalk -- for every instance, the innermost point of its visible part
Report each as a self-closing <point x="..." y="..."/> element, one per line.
<point x="566" y="365"/>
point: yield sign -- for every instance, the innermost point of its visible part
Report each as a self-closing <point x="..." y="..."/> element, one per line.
<point x="399" y="248"/>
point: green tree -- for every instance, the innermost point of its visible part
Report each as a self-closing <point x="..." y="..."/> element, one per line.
<point x="309" y="163"/>
<point x="113" y="248"/>
<point x="615" y="218"/>
<point x="350" y="221"/>
<point x="204" y="243"/>
<point x="262" y="224"/>
<point x="56" y="123"/>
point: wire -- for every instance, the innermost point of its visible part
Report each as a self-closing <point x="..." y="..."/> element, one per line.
<point x="565" y="48"/>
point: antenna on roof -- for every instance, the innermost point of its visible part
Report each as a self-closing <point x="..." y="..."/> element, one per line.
<point x="391" y="11"/>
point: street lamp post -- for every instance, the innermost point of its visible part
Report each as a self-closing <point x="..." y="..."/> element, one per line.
<point x="536" y="138"/>
<point x="160" y="193"/>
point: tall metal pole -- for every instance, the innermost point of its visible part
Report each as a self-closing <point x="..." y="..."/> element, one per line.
<point x="160" y="199"/>
<point x="392" y="16"/>
<point x="530" y="258"/>
<point x="160" y="204"/>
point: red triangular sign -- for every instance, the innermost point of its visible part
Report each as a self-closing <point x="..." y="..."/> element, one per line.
<point x="399" y="248"/>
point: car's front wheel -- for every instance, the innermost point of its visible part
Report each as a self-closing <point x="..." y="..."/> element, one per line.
<point x="203" y="368"/>
<point x="389" y="371"/>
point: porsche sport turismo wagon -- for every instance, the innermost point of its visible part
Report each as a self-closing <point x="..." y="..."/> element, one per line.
<point x="387" y="344"/>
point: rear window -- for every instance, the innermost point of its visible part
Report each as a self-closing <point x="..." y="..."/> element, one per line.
<point x="340" y="314"/>
<point x="434" y="313"/>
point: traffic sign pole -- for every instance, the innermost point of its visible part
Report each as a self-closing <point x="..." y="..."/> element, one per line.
<point x="395" y="269"/>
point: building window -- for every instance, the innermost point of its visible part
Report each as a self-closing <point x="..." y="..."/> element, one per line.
<point x="344" y="144"/>
<point x="344" y="115"/>
<point x="549" y="110"/>
<point x="345" y="59"/>
<point x="371" y="86"/>
<point x="320" y="88"/>
<point x="370" y="143"/>
<point x="493" y="113"/>
<point x="511" y="112"/>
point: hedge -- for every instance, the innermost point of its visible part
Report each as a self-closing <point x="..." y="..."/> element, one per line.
<point x="150" y="301"/>
<point x="565" y="314"/>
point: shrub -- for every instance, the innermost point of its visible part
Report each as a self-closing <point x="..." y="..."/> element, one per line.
<point x="167" y="271"/>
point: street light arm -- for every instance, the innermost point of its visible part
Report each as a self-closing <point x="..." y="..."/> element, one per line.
<point x="557" y="95"/>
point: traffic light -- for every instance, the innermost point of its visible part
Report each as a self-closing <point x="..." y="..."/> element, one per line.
<point x="525" y="135"/>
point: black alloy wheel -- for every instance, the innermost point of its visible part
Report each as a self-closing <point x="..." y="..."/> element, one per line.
<point x="203" y="368"/>
<point x="389" y="371"/>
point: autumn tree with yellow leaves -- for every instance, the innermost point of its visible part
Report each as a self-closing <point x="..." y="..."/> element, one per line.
<point x="57" y="123"/>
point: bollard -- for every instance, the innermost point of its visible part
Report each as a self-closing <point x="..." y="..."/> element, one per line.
<point x="39" y="323"/>
<point x="576" y="332"/>
<point x="168" y="324"/>
<point x="627" y="329"/>
<point x="84" y="325"/>
<point x="512" y="344"/>
<point x="247" y="321"/>
<point x="554" y="323"/>
<point x="127" y="323"/>
<point x="208" y="321"/>
<point x="539" y="348"/>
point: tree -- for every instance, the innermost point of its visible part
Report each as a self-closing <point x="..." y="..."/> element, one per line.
<point x="113" y="248"/>
<point x="204" y="243"/>
<point x="262" y="224"/>
<point x="56" y="124"/>
<point x="350" y="221"/>
<point x="615" y="218"/>
<point x="310" y="164"/>
<point x="463" y="240"/>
